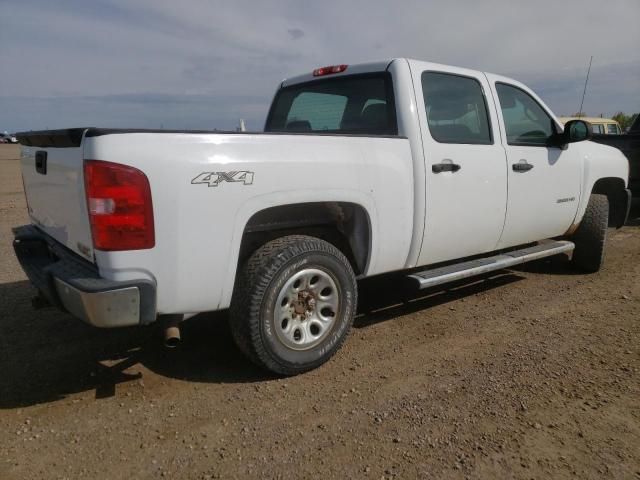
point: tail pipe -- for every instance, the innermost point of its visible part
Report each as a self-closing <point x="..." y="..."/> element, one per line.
<point x="171" y="330"/>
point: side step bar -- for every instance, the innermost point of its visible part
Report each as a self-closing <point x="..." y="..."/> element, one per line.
<point x="459" y="271"/>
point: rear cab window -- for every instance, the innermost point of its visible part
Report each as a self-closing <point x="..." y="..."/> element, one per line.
<point x="354" y="104"/>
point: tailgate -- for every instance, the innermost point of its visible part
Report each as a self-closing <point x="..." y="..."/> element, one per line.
<point x="52" y="163"/>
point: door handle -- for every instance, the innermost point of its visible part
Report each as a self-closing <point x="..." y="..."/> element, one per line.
<point x="445" y="167"/>
<point x="522" y="166"/>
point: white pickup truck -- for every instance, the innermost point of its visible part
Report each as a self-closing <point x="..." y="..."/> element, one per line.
<point x="438" y="171"/>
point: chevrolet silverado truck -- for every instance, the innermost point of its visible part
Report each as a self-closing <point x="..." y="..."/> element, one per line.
<point x="629" y="144"/>
<point x="402" y="165"/>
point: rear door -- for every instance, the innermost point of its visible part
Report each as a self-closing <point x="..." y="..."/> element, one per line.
<point x="544" y="180"/>
<point x="466" y="173"/>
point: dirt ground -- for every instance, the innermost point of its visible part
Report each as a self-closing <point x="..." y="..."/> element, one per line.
<point x="531" y="373"/>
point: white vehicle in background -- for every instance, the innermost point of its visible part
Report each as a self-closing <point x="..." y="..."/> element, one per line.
<point x="438" y="171"/>
<point x="8" y="138"/>
<point x="599" y="125"/>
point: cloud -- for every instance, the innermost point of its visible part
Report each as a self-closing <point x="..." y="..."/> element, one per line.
<point x="134" y="111"/>
<point x="295" y="33"/>
<point x="74" y="56"/>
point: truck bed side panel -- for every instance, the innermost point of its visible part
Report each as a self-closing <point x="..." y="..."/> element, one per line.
<point x="199" y="226"/>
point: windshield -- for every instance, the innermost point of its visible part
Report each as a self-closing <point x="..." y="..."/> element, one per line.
<point x="361" y="104"/>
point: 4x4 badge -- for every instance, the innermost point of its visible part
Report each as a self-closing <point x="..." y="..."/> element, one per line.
<point x="213" y="179"/>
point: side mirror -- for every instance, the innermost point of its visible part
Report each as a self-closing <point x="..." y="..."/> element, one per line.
<point x="577" y="131"/>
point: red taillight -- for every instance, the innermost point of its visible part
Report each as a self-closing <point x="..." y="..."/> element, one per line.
<point x="119" y="204"/>
<point x="319" y="72"/>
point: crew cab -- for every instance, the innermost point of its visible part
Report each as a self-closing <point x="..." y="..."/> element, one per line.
<point x="398" y="165"/>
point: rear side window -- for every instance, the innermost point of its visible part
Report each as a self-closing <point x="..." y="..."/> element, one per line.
<point x="359" y="104"/>
<point x="456" y="109"/>
<point x="597" y="128"/>
<point x="526" y="122"/>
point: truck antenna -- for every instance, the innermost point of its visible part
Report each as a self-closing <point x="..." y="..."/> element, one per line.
<point x="585" y="87"/>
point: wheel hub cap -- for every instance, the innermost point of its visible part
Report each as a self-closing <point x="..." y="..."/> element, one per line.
<point x="306" y="309"/>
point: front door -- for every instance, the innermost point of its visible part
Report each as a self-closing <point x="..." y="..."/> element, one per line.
<point x="543" y="180"/>
<point x="466" y="172"/>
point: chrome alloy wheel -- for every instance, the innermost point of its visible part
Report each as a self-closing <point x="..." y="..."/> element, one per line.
<point x="306" y="309"/>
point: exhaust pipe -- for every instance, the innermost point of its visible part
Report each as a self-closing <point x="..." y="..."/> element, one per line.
<point x="171" y="328"/>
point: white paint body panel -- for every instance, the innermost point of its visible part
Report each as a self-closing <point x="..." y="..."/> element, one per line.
<point x="56" y="201"/>
<point x="550" y="191"/>
<point x="598" y="161"/>
<point x="409" y="126"/>
<point x="465" y="210"/>
<point x="199" y="228"/>
<point x="416" y="217"/>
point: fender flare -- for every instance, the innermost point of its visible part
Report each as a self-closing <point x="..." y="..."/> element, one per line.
<point x="282" y="198"/>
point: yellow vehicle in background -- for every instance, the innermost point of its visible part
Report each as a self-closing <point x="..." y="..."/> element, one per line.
<point x="604" y="126"/>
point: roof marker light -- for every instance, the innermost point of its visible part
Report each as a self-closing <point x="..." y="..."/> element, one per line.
<point x="331" y="69"/>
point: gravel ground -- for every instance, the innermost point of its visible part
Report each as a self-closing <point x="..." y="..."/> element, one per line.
<point x="529" y="373"/>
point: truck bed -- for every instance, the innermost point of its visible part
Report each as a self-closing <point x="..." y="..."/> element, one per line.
<point x="189" y="206"/>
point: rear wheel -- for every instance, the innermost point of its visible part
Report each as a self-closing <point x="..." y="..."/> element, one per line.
<point x="293" y="304"/>
<point x="591" y="235"/>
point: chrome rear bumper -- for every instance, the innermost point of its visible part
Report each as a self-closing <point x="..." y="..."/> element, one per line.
<point x="71" y="283"/>
<point x="119" y="307"/>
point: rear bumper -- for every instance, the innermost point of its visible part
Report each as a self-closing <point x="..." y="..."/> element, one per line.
<point x="74" y="285"/>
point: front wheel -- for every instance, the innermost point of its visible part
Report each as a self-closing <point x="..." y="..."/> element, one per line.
<point x="293" y="304"/>
<point x="591" y="235"/>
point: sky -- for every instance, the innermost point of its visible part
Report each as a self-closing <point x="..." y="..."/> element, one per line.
<point x="204" y="64"/>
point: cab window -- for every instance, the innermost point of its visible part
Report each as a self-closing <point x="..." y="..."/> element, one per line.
<point x="456" y="109"/>
<point x="597" y="128"/>
<point x="322" y="111"/>
<point x="525" y="121"/>
<point x="612" y="129"/>
<point x="351" y="104"/>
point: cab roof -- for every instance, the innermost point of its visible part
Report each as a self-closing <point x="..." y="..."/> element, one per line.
<point x="370" y="67"/>
<point x="379" y="66"/>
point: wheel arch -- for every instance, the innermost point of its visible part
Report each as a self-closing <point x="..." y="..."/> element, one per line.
<point x="346" y="225"/>
<point x="265" y="218"/>
<point x="617" y="195"/>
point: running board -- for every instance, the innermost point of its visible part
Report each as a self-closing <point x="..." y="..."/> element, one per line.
<point x="472" y="268"/>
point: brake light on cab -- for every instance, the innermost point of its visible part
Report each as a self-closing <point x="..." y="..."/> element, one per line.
<point x="120" y="206"/>
<point x="331" y="69"/>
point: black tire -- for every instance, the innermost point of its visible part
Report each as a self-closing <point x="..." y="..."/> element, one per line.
<point x="591" y="235"/>
<point x="261" y="282"/>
